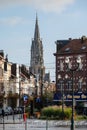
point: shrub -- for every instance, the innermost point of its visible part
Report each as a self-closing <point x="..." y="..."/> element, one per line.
<point x="67" y="113"/>
<point x="55" y="112"/>
<point x="81" y="117"/>
<point x="47" y="111"/>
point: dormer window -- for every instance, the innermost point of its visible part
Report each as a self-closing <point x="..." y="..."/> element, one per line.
<point x="67" y="49"/>
<point x="83" y="47"/>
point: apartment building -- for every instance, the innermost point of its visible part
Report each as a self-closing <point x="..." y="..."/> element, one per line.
<point x="71" y="49"/>
<point x="15" y="82"/>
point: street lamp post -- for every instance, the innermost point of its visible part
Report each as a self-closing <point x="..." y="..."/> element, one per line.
<point x="19" y="84"/>
<point x="36" y="86"/>
<point x="42" y="80"/>
<point x="62" y="90"/>
<point x="19" y="90"/>
<point x="72" y="69"/>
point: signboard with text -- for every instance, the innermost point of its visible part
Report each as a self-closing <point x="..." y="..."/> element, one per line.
<point x="68" y="97"/>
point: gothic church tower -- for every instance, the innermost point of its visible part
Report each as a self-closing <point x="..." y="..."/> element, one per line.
<point x="37" y="62"/>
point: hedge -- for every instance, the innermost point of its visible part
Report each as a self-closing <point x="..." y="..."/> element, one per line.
<point x="55" y="112"/>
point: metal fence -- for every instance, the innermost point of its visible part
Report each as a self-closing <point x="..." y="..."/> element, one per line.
<point x="10" y="123"/>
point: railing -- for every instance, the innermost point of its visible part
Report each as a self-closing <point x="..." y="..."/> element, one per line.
<point x="34" y="124"/>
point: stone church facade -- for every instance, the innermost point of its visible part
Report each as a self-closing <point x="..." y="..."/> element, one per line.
<point x="37" y="61"/>
<point x="37" y="67"/>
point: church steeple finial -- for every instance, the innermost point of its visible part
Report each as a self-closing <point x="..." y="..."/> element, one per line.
<point x="36" y="34"/>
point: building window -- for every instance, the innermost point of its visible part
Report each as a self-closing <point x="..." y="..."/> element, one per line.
<point x="5" y="66"/>
<point x="1" y="87"/>
<point x="69" y="85"/>
<point x="61" y="66"/>
<point x="80" y="64"/>
<point x="59" y="86"/>
<point x="1" y="72"/>
<point x="80" y="84"/>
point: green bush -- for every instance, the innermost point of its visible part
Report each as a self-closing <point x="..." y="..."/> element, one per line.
<point x="55" y="112"/>
<point x="81" y="117"/>
<point x="68" y="113"/>
<point x="48" y="112"/>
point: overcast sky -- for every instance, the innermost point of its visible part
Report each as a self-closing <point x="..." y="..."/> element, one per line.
<point x="58" y="20"/>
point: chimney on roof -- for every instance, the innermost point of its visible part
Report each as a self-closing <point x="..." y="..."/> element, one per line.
<point x="6" y="58"/>
<point x="83" y="38"/>
<point x="2" y="53"/>
<point x="70" y="39"/>
<point x="5" y="63"/>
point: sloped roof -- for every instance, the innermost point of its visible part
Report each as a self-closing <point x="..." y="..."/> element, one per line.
<point x="75" y="46"/>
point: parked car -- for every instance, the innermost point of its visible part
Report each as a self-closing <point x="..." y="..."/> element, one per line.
<point x="18" y="110"/>
<point x="9" y="109"/>
<point x="6" y="111"/>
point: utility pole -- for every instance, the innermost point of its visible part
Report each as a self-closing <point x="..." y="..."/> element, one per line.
<point x="41" y="81"/>
<point x="19" y="88"/>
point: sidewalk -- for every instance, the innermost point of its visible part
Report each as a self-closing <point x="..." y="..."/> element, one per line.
<point x="43" y="123"/>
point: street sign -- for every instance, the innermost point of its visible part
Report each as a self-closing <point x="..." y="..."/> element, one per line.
<point x="25" y="98"/>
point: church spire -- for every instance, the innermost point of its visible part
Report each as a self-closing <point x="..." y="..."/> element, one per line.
<point x="36" y="33"/>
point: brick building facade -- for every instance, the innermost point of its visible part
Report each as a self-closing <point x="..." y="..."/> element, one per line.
<point x="71" y="49"/>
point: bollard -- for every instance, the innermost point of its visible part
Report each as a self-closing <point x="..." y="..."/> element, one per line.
<point x="7" y="116"/>
<point x="24" y="117"/>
